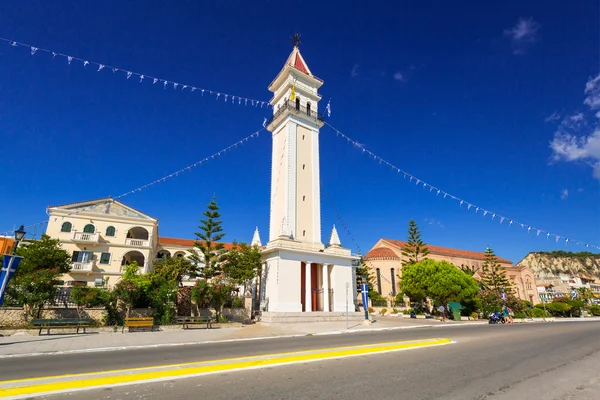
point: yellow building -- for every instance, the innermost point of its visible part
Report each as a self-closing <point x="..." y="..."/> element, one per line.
<point x="104" y="235"/>
<point x="6" y="244"/>
<point x="385" y="262"/>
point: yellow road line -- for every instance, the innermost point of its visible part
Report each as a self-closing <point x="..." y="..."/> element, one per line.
<point x="66" y="383"/>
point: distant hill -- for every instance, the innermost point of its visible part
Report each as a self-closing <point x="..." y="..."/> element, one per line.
<point x="554" y="263"/>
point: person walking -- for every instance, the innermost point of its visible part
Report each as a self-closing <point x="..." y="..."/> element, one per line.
<point x="505" y="313"/>
<point x="442" y="311"/>
<point x="511" y="315"/>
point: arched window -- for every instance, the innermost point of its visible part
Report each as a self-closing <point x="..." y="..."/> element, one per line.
<point x="378" y="280"/>
<point x="393" y="282"/>
<point x="66" y="227"/>
<point x="89" y="228"/>
<point x="308" y="107"/>
<point x="110" y="231"/>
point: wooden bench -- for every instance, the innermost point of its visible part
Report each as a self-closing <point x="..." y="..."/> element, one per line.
<point x="69" y="323"/>
<point x="186" y="321"/>
<point x="143" y="322"/>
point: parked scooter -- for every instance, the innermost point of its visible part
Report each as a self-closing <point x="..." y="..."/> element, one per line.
<point x="496" y="318"/>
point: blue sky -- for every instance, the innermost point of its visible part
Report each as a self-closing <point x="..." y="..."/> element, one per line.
<point x="493" y="103"/>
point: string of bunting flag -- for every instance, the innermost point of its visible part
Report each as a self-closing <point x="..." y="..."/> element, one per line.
<point x="157" y="181"/>
<point x="349" y="233"/>
<point x="460" y="201"/>
<point x="98" y="67"/>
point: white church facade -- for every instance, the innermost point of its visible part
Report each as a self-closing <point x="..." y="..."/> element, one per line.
<point x="305" y="280"/>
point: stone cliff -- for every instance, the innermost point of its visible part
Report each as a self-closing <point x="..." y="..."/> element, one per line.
<point x="554" y="263"/>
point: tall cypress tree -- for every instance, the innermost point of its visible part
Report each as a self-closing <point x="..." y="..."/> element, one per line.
<point x="207" y="249"/>
<point x="493" y="277"/>
<point x="414" y="249"/>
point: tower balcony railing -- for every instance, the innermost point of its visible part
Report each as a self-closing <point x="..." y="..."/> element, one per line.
<point x="297" y="109"/>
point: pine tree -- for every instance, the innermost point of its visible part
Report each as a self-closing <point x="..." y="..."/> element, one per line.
<point x="414" y="249"/>
<point x="493" y="277"/>
<point x="208" y="250"/>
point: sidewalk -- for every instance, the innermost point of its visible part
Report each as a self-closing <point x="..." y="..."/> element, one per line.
<point x="25" y="345"/>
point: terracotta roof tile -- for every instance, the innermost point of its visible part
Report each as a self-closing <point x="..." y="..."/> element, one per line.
<point x="185" y="242"/>
<point x="446" y="251"/>
<point x="381" y="252"/>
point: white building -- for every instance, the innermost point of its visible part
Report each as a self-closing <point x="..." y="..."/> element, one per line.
<point x="305" y="280"/>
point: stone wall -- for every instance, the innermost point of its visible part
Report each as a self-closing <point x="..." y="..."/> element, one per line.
<point x="15" y="317"/>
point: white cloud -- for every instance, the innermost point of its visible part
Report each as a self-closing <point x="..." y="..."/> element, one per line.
<point x="576" y="117"/>
<point x="576" y="140"/>
<point x="523" y="35"/>
<point x="433" y="221"/>
<point x="354" y="72"/>
<point x="564" y="194"/>
<point x="592" y="94"/>
<point x="399" y="76"/>
<point x="552" y="117"/>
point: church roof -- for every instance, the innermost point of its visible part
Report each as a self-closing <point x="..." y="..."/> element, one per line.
<point x="184" y="242"/>
<point x="446" y="251"/>
<point x="297" y="61"/>
<point x="381" y="252"/>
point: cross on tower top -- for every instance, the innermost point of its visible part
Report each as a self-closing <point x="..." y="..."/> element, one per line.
<point x="296" y="39"/>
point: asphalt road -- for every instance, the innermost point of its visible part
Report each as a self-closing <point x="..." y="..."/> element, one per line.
<point x="529" y="361"/>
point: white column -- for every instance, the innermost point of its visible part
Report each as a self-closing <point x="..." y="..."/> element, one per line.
<point x="307" y="284"/>
<point x="326" y="287"/>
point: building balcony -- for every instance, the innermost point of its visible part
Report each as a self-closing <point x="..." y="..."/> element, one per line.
<point x="81" y="266"/>
<point x="85" y="237"/>
<point x="295" y="108"/>
<point x="137" y="242"/>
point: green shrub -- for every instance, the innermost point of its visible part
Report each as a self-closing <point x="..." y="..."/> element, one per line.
<point x="521" y="315"/>
<point x="539" y="312"/>
<point x="595" y="310"/>
<point x="394" y="311"/>
<point x="406" y="311"/>
<point x="382" y="311"/>
<point x="237" y="302"/>
<point x="371" y="310"/>
<point x="474" y="315"/>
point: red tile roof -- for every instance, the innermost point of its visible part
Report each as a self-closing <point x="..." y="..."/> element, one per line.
<point x="299" y="65"/>
<point x="381" y="252"/>
<point x="445" y="251"/>
<point x="185" y="242"/>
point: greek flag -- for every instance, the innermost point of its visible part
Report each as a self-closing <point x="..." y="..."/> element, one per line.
<point x="503" y="295"/>
<point x="328" y="108"/>
<point x="9" y="266"/>
<point x="574" y="295"/>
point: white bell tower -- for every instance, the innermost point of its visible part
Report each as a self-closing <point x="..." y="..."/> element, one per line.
<point x="304" y="280"/>
<point x="295" y="192"/>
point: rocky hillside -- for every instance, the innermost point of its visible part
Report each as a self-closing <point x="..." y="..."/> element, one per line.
<point x="561" y="262"/>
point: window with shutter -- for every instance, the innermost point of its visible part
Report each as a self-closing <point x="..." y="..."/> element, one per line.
<point x="105" y="258"/>
<point x="89" y="228"/>
<point x="110" y="231"/>
<point x="75" y="256"/>
<point x="66" y="227"/>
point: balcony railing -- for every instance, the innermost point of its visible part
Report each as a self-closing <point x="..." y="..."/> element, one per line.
<point x="82" y="266"/>
<point x="296" y="109"/>
<point x="137" y="242"/>
<point x="85" y="237"/>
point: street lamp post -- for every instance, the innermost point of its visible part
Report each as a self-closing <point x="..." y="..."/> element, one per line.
<point x="19" y="236"/>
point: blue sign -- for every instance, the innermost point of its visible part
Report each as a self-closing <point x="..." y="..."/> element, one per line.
<point x="364" y="291"/>
<point x="9" y="266"/>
